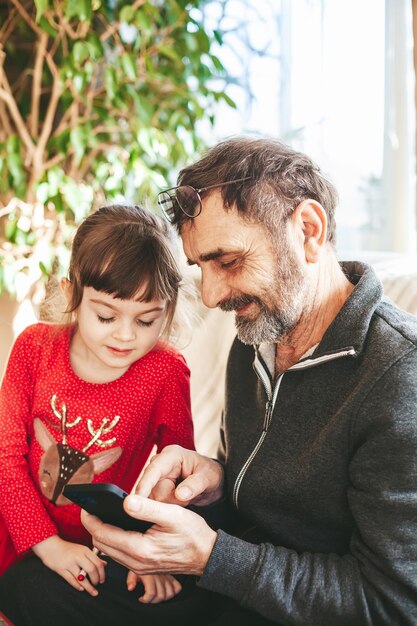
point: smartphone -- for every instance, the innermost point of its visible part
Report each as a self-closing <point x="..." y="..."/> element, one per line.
<point x="106" y="502"/>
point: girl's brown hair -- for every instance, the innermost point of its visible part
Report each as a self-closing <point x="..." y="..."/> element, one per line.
<point x="125" y="251"/>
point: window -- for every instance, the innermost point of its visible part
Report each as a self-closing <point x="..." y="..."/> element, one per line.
<point x="336" y="81"/>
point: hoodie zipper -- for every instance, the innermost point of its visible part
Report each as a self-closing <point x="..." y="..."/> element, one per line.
<point x="272" y="394"/>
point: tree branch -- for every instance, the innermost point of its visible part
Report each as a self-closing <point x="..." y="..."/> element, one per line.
<point x="7" y="97"/>
<point x="109" y="32"/>
<point x="9" y="25"/>
<point x="49" y="118"/>
<point x="55" y="160"/>
<point x="5" y="128"/>
<point x="33" y="25"/>
<point x="90" y="158"/>
<point x="106" y="130"/>
<point x="90" y="92"/>
<point x="37" y="84"/>
<point x="63" y="124"/>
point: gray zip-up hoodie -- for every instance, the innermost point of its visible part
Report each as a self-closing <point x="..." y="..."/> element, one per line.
<point x="322" y="463"/>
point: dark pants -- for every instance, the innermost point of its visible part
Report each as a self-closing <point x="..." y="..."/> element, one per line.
<point x="33" y="595"/>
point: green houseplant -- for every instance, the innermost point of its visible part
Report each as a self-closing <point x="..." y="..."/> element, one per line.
<point x="99" y="99"/>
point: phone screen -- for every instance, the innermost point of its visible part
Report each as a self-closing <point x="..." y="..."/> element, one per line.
<point x="106" y="502"/>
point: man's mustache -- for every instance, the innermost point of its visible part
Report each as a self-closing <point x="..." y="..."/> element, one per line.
<point x="237" y="303"/>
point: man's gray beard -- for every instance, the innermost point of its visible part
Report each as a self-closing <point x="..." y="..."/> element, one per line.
<point x="268" y="327"/>
<point x="273" y="322"/>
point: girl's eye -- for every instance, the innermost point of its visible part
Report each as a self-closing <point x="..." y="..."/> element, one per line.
<point x="145" y="324"/>
<point x="105" y="320"/>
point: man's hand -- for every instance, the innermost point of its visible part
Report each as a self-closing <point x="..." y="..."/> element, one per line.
<point x="181" y="476"/>
<point x="67" y="559"/>
<point x="179" y="542"/>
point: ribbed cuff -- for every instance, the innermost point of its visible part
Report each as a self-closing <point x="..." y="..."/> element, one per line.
<point x="231" y="567"/>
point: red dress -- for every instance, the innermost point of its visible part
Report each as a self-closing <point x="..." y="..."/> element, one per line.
<point x="56" y="428"/>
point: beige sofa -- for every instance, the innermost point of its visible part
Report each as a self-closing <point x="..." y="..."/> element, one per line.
<point x="212" y="336"/>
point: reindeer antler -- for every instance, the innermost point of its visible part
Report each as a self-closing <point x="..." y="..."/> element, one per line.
<point x="62" y="416"/>
<point x="103" y="429"/>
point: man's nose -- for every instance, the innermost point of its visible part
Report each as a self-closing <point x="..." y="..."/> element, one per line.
<point x="214" y="289"/>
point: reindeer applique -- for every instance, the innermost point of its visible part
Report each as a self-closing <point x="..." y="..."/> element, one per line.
<point x="61" y="464"/>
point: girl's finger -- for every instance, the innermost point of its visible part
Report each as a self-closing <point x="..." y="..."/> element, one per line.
<point x="131" y="580"/>
<point x="89" y="588"/>
<point x="72" y="580"/>
<point x="172" y="587"/>
<point x="176" y="585"/>
<point x="151" y="589"/>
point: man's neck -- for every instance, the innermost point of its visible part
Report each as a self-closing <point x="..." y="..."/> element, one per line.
<point x="324" y="302"/>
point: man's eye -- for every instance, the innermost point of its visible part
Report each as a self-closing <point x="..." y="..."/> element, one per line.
<point x="105" y="320"/>
<point x="228" y="264"/>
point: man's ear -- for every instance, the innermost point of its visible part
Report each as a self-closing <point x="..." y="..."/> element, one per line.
<point x="311" y="219"/>
<point x="66" y="287"/>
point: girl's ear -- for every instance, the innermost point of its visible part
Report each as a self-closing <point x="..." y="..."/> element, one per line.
<point x="66" y="287"/>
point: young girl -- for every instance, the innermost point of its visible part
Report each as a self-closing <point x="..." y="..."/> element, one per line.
<point x="87" y="401"/>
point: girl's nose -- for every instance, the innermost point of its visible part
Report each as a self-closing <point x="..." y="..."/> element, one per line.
<point x="125" y="331"/>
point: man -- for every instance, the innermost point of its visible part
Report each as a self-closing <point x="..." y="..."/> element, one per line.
<point x="319" y="440"/>
<point x="320" y="423"/>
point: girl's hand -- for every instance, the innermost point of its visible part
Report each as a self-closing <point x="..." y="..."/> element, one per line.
<point x="67" y="559"/>
<point x="158" y="587"/>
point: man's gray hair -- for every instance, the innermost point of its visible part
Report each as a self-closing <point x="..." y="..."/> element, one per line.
<point x="278" y="179"/>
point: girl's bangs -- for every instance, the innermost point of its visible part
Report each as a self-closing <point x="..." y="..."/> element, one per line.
<point x="135" y="276"/>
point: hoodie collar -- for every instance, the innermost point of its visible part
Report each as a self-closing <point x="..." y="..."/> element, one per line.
<point x="350" y="326"/>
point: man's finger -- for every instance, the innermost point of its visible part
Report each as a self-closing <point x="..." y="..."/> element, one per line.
<point x="116" y="543"/>
<point x="191" y="488"/>
<point x="137" y="507"/>
<point x="164" y="491"/>
<point x="164" y="465"/>
<point x="150" y="510"/>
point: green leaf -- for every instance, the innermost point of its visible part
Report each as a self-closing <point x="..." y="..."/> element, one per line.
<point x="94" y="46"/>
<point x="14" y="162"/>
<point x="42" y="192"/>
<point x="80" y="9"/>
<point x="46" y="270"/>
<point x="79" y="82"/>
<point x="127" y="14"/>
<point x="55" y="177"/>
<point x="110" y="82"/>
<point x="78" y="141"/>
<point x="168" y="52"/>
<point x="12" y="144"/>
<point x="41" y="6"/>
<point x="218" y="36"/>
<point x="143" y="21"/>
<point x="229" y="100"/>
<point x="129" y="65"/>
<point x="10" y="230"/>
<point x="47" y="27"/>
<point x="79" y="198"/>
<point x="80" y="52"/>
<point x="217" y="63"/>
